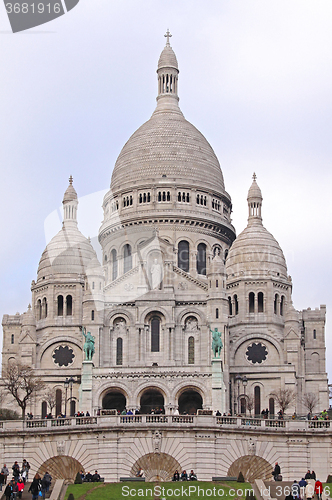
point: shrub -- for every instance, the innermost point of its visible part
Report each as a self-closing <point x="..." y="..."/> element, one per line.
<point x="250" y="495"/>
<point x="329" y="479"/>
<point x="71" y="496"/>
<point x="8" y="414"/>
<point x="78" y="480"/>
<point x="241" y="479"/>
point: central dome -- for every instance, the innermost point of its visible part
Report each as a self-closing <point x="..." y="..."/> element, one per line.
<point x="167" y="146"/>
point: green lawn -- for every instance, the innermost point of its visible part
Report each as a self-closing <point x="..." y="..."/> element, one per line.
<point x="195" y="490"/>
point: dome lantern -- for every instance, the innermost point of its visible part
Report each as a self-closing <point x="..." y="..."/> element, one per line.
<point x="70" y="203"/>
<point x="168" y="72"/>
<point x="254" y="202"/>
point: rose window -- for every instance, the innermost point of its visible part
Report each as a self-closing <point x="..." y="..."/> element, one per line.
<point x="63" y="355"/>
<point x="256" y="353"/>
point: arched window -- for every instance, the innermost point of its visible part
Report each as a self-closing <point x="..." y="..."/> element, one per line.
<point x="155" y="334"/>
<point x="140" y="200"/>
<point x="257" y="399"/>
<point x="314" y="332"/>
<point x="44" y="308"/>
<point x="260" y="298"/>
<point x="127" y="260"/>
<point x="271" y="407"/>
<point x="164" y="195"/>
<point x="168" y="196"/>
<point x="159" y="196"/>
<point x="282" y="300"/>
<point x="191" y="351"/>
<point x="275" y="304"/>
<point x="114" y="264"/>
<point x="60" y="305"/>
<point x="236" y="304"/>
<point x="230" y="308"/>
<point x="217" y="313"/>
<point x="201" y="259"/>
<point x="92" y="315"/>
<point x="183" y="255"/>
<point x="43" y="409"/>
<point x="39" y="307"/>
<point x="58" y="402"/>
<point x="12" y="338"/>
<point x="69" y="304"/>
<point x="72" y="407"/>
<point x="251" y="302"/>
<point x="119" y="345"/>
<point x="243" y="406"/>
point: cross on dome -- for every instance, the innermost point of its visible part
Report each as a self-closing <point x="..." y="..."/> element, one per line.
<point x="254" y="176"/>
<point x="71" y="180"/>
<point x="168" y="36"/>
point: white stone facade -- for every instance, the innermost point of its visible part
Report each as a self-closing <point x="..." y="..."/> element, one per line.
<point x="172" y="270"/>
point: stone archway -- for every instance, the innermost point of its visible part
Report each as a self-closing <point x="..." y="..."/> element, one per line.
<point x="252" y="467"/>
<point x="61" y="467"/>
<point x="156" y="466"/>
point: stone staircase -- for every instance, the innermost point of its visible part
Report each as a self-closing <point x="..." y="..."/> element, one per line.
<point x="26" y="495"/>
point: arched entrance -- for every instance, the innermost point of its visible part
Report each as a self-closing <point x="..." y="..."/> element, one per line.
<point x="252" y="467"/>
<point x="156" y="466"/>
<point x="61" y="467"/>
<point x="114" y="400"/>
<point x="152" y="400"/>
<point x="189" y="402"/>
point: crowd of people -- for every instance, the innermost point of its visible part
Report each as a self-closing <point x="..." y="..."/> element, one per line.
<point x="14" y="487"/>
<point x="308" y="488"/>
<point x="90" y="478"/>
<point x="184" y="476"/>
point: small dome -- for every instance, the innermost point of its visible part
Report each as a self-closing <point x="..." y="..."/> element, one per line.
<point x="69" y="252"/>
<point x="70" y="193"/>
<point x="168" y="59"/>
<point x="255" y="253"/>
<point x="254" y="192"/>
<point x="28" y="318"/>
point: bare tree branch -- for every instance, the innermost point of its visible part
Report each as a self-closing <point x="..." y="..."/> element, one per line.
<point x="310" y="400"/>
<point x="250" y="403"/>
<point x="19" y="381"/>
<point x="50" y="398"/>
<point x="284" y="398"/>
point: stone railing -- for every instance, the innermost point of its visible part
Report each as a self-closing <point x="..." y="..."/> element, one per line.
<point x="199" y="421"/>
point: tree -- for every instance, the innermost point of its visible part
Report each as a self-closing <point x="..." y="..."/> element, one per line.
<point x="284" y="398"/>
<point x="50" y="399"/>
<point x="310" y="400"/>
<point x="20" y="381"/>
<point x="250" y="403"/>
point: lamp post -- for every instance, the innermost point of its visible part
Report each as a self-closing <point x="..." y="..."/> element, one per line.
<point x="238" y="379"/>
<point x="245" y="382"/>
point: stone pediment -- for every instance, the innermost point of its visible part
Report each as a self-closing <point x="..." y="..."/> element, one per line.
<point x="26" y="338"/>
<point x="292" y="335"/>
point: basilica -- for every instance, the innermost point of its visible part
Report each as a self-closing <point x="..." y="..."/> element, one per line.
<point x="181" y="316"/>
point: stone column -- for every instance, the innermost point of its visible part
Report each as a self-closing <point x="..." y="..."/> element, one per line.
<point x="86" y="387"/>
<point x="218" y="386"/>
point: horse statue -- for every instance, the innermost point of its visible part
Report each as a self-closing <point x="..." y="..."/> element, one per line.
<point x="217" y="344"/>
<point x="89" y="345"/>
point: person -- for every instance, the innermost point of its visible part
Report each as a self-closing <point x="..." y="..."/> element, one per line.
<point x="313" y="475"/>
<point x="308" y="475"/>
<point x="192" y="476"/>
<point x="309" y="491"/>
<point x="280" y="415"/>
<point x="16" y="470"/>
<point x="87" y="414"/>
<point x="276" y="471"/>
<point x="88" y="477"/>
<point x="139" y="473"/>
<point x="218" y="414"/>
<point x="25" y="470"/>
<point x="96" y="477"/>
<point x="303" y="483"/>
<point x="184" y="476"/>
<point x="309" y="416"/>
<point x="82" y="475"/>
<point x="20" y="487"/>
<point x="5" y="472"/>
<point x="35" y="487"/>
<point x="176" y="476"/>
<point x="295" y="489"/>
<point x="14" y="488"/>
<point x="318" y="489"/>
<point x="46" y="483"/>
<point x="8" y="490"/>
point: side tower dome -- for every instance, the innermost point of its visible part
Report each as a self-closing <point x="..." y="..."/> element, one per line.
<point x="255" y="252"/>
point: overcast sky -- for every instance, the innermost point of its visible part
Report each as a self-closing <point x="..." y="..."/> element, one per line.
<point x="255" y="79"/>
